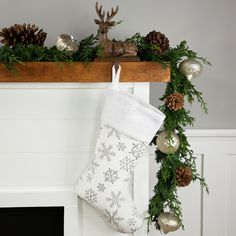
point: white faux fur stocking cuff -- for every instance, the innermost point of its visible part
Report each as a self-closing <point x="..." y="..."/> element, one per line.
<point x="131" y="116"/>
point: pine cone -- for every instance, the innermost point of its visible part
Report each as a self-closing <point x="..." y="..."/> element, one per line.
<point x="159" y="40"/>
<point x="184" y="176"/>
<point x="22" y="34"/>
<point x="175" y="101"/>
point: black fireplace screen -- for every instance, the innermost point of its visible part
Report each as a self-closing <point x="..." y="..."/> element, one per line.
<point x="32" y="221"/>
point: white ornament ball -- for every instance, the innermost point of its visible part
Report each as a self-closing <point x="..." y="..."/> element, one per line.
<point x="168" y="142"/>
<point x="190" y="68"/>
<point x="168" y="222"/>
<point x="66" y="42"/>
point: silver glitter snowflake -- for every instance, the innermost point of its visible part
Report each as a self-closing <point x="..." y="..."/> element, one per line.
<point x="131" y="222"/>
<point x="93" y="166"/>
<point x="90" y="196"/>
<point x="101" y="187"/>
<point x="105" y="152"/>
<point x="111" y="175"/>
<point x="121" y="146"/>
<point x="127" y="164"/>
<point x="113" y="132"/>
<point x="112" y="217"/>
<point x="89" y="178"/>
<point x="136" y="212"/>
<point x="137" y="150"/>
<point x="115" y="199"/>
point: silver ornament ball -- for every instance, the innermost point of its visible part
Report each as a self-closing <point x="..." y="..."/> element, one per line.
<point x="168" y="142"/>
<point x="66" y="42"/>
<point x="168" y="222"/>
<point x="190" y="68"/>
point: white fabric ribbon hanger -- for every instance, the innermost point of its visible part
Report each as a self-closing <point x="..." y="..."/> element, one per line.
<point x="115" y="76"/>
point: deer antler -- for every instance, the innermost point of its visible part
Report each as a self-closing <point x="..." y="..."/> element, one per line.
<point x="113" y="13"/>
<point x="99" y="12"/>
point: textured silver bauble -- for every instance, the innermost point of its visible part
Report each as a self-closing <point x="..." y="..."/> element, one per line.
<point x="168" y="142"/>
<point x="67" y="42"/>
<point x="190" y="68"/>
<point x="168" y="222"/>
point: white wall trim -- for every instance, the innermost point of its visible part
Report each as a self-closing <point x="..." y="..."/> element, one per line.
<point x="211" y="133"/>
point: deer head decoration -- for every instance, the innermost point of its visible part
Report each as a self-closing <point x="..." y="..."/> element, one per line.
<point x="112" y="48"/>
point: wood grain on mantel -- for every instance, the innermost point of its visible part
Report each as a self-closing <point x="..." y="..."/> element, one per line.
<point x="79" y="72"/>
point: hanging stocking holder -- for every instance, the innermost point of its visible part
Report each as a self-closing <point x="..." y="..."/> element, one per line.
<point x="127" y="127"/>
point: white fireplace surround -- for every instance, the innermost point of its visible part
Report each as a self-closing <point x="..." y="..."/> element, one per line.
<point x="48" y="133"/>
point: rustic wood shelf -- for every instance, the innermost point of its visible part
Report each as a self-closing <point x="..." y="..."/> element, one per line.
<point x="79" y="72"/>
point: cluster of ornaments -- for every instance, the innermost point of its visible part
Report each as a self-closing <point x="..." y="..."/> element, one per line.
<point x="168" y="142"/>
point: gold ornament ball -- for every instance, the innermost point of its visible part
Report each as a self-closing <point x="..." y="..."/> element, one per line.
<point x="168" y="142"/>
<point x="168" y="222"/>
<point x="66" y="42"/>
<point x="190" y="68"/>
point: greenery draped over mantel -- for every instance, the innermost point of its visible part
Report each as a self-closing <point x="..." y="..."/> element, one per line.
<point x="166" y="189"/>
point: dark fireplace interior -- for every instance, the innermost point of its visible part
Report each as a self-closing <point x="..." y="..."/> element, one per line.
<point x="32" y="221"/>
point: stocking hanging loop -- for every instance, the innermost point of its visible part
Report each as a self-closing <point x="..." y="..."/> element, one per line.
<point x="115" y="76"/>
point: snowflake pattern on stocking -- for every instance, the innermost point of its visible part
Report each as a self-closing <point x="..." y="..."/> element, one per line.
<point x="106" y="152"/>
<point x="101" y="187"/>
<point x="131" y="222"/>
<point x="127" y="164"/>
<point x="113" y="132"/>
<point x="136" y="213"/>
<point x="137" y="150"/>
<point x="111" y="175"/>
<point x="115" y="199"/>
<point x="121" y="146"/>
<point x="93" y="166"/>
<point x="91" y="196"/>
<point x="89" y="178"/>
<point x="106" y="181"/>
<point x="112" y="217"/>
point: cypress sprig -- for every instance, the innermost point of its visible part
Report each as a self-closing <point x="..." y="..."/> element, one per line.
<point x="166" y="188"/>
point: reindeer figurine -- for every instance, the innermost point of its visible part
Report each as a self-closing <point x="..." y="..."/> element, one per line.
<point x="112" y="48"/>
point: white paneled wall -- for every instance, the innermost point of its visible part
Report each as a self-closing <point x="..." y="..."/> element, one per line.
<point x="47" y="136"/>
<point x="213" y="214"/>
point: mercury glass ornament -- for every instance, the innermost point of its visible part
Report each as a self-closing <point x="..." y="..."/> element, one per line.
<point x="190" y="68"/>
<point x="168" y="142"/>
<point x="168" y="222"/>
<point x="67" y="42"/>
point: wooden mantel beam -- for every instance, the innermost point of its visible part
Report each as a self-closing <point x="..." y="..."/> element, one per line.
<point x="79" y="72"/>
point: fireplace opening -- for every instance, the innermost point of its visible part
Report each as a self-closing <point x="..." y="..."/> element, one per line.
<point x="32" y="221"/>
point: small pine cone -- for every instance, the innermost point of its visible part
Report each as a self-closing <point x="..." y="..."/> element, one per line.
<point x="183" y="176"/>
<point x="159" y="40"/>
<point x="175" y="101"/>
<point x="22" y="34"/>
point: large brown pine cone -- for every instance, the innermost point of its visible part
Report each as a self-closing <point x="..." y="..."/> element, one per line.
<point x="158" y="40"/>
<point x="175" y="101"/>
<point x="183" y="176"/>
<point x="22" y="34"/>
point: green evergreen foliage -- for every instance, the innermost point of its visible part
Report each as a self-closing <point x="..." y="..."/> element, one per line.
<point x="88" y="48"/>
<point x="166" y="189"/>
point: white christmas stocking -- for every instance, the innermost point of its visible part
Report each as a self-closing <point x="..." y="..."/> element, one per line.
<point x="127" y="127"/>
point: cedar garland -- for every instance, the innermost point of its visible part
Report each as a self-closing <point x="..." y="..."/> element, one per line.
<point x="176" y="167"/>
<point x="169" y="176"/>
